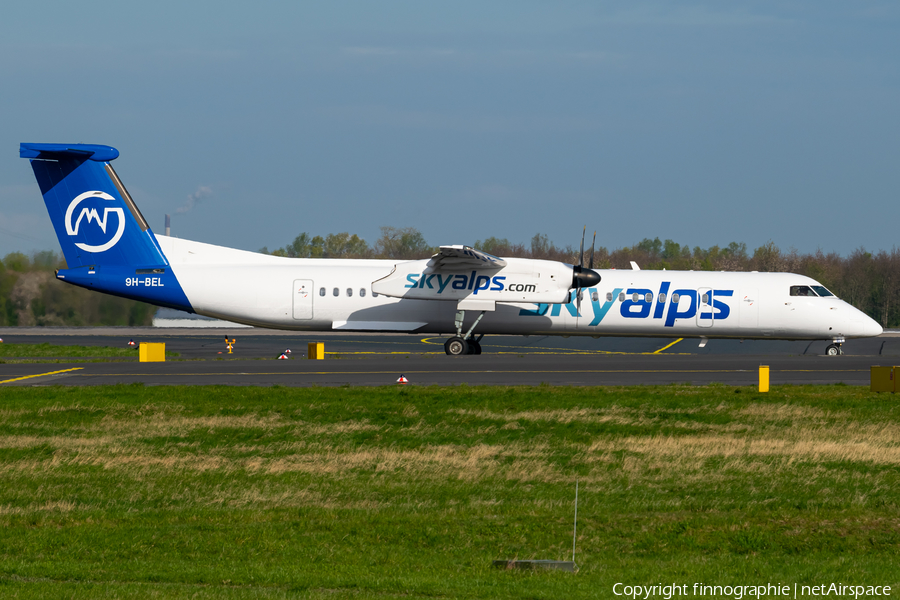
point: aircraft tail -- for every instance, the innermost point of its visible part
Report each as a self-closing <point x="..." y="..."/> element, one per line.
<point x="107" y="243"/>
<point x="95" y="218"/>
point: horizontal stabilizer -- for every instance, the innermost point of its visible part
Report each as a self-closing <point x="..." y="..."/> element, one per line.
<point x="57" y="151"/>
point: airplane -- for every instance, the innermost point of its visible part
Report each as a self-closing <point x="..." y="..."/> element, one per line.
<point x="466" y="293"/>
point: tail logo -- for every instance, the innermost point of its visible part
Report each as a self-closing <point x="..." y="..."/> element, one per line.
<point x="89" y="214"/>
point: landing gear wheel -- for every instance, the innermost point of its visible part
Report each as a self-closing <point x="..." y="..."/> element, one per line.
<point x="834" y="350"/>
<point x="474" y="347"/>
<point x="456" y="346"/>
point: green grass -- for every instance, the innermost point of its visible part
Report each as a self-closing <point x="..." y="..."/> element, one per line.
<point x="30" y="351"/>
<point x="407" y="492"/>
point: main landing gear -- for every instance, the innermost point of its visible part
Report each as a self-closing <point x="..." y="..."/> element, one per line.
<point x="464" y="344"/>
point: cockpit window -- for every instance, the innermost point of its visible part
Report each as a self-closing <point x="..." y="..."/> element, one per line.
<point x="821" y="290"/>
<point x="802" y="290"/>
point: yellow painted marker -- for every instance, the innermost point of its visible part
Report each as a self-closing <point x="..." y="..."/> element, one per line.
<point x="40" y="375"/>
<point x="667" y="346"/>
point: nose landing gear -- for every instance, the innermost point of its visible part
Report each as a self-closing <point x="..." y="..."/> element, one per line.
<point x="834" y="350"/>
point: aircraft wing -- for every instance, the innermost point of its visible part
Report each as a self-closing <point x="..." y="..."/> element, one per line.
<point x="462" y="258"/>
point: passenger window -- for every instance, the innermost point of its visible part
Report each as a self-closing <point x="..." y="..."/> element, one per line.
<point x="662" y="298"/>
<point x="704" y="299"/>
<point x="362" y="292"/>
<point x="801" y="290"/>
<point x="349" y="292"/>
<point x="621" y="296"/>
<point x="336" y="292"/>
<point x="374" y="295"/>
<point x="634" y="297"/>
<point x="609" y="296"/>
<point x="321" y="291"/>
<point x="648" y="297"/>
<point x="595" y="296"/>
<point x="676" y="298"/>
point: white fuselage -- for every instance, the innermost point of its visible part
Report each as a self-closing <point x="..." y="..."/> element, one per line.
<point x="337" y="294"/>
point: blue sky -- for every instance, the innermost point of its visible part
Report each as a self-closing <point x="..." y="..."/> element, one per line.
<point x="703" y="122"/>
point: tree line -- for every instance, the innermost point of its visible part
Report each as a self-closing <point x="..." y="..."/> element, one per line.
<point x="31" y="295"/>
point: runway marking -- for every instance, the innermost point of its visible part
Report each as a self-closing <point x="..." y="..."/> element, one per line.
<point x="531" y="350"/>
<point x="668" y="346"/>
<point x="458" y="371"/>
<point x="41" y="375"/>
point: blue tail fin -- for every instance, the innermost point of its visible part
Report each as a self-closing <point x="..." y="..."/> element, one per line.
<point x="96" y="221"/>
<point x="106" y="241"/>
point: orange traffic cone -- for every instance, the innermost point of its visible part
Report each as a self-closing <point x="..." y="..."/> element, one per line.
<point x="283" y="357"/>
<point x="288" y="351"/>
<point x="131" y="343"/>
<point x="403" y="380"/>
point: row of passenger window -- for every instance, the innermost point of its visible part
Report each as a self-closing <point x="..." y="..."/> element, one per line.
<point x="337" y="292"/>
<point x="648" y="297"/>
<point x="796" y="290"/>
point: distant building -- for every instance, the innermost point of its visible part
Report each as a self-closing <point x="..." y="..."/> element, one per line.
<point x="169" y="317"/>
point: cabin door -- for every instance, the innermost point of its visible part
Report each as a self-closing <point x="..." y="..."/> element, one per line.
<point x="705" y="315"/>
<point x="303" y="299"/>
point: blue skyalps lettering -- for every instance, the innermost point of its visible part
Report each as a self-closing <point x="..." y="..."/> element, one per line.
<point x="474" y="282"/>
<point x="642" y="303"/>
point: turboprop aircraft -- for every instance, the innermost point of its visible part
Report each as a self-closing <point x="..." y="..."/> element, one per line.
<point x="109" y="247"/>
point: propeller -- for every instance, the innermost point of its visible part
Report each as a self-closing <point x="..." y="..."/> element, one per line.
<point x="584" y="277"/>
<point x="593" y="241"/>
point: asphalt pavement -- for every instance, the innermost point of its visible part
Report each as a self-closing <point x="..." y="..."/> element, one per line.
<point x="380" y="359"/>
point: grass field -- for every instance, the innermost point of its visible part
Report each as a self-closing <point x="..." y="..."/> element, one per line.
<point x="224" y="492"/>
<point x="43" y="352"/>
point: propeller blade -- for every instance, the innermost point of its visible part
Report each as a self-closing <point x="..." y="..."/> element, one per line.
<point x="581" y="253"/>
<point x="592" y="251"/>
<point x="581" y="277"/>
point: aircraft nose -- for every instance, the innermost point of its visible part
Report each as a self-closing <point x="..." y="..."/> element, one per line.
<point x="863" y="325"/>
<point x="873" y="328"/>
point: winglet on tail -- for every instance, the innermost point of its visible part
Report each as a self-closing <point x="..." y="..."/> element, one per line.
<point x="96" y="220"/>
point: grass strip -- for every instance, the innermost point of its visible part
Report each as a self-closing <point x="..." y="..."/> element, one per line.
<point x="170" y="492"/>
<point x="56" y="351"/>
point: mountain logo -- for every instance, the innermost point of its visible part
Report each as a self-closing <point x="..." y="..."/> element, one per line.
<point x="97" y="233"/>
